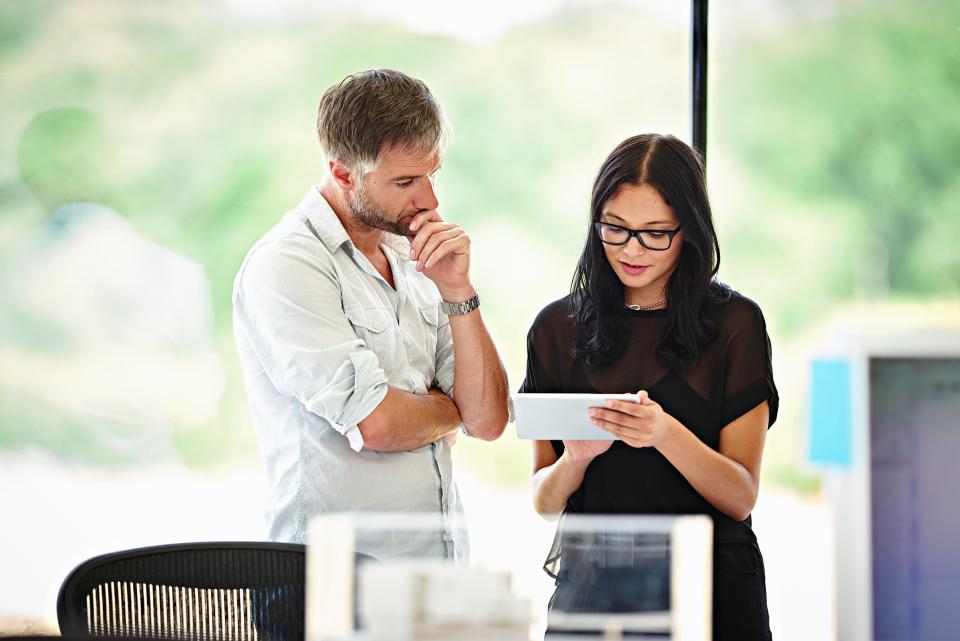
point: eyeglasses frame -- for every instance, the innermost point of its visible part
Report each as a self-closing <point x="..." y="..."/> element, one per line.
<point x="635" y="233"/>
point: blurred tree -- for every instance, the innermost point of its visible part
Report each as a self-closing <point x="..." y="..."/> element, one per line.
<point x="65" y="155"/>
<point x="858" y="114"/>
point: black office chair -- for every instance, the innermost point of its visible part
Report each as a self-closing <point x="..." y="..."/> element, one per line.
<point x="192" y="591"/>
<point x="57" y="637"/>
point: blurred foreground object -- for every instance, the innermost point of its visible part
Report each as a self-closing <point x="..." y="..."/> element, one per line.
<point x="418" y="596"/>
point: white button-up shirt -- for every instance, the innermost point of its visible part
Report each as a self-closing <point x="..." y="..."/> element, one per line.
<point x="321" y="335"/>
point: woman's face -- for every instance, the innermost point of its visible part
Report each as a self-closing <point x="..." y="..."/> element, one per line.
<point x="643" y="272"/>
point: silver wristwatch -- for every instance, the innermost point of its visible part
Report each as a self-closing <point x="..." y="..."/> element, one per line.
<point x="459" y="309"/>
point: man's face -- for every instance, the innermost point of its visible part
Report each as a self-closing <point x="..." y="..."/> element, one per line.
<point x="399" y="187"/>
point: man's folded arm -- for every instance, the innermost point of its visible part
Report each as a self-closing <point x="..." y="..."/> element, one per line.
<point x="310" y="351"/>
<point x="405" y="421"/>
<point x="469" y="370"/>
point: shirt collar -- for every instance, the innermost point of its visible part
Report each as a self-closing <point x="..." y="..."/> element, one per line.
<point x="330" y="229"/>
<point x="399" y="244"/>
<point x="323" y="220"/>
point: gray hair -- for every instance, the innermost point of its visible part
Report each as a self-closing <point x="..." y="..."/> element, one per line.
<point x="370" y="109"/>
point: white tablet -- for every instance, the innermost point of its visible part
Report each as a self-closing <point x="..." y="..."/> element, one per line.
<point x="557" y="417"/>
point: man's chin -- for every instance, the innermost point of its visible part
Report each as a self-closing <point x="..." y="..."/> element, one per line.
<point x="399" y="229"/>
<point x="403" y="227"/>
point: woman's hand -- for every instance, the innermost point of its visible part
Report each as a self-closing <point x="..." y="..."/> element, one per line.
<point x="555" y="478"/>
<point x="641" y="424"/>
<point x="583" y="452"/>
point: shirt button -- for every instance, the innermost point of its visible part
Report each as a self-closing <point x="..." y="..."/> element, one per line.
<point x="447" y="537"/>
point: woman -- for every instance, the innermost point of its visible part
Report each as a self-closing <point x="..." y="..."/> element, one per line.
<point x="647" y="314"/>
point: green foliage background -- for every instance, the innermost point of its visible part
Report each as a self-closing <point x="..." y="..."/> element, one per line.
<point x="834" y="156"/>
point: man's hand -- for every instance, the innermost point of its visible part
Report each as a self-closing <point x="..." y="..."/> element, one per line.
<point x="442" y="252"/>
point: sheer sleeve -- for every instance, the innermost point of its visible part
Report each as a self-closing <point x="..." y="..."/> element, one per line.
<point x="749" y="372"/>
<point x="546" y="358"/>
<point x="544" y="362"/>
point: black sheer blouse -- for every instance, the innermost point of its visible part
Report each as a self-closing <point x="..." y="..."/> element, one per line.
<point x="733" y="375"/>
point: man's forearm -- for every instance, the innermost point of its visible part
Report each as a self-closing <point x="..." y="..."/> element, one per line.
<point x="404" y="421"/>
<point x="480" y="381"/>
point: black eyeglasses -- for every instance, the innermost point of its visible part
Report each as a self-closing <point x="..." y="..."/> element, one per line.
<point x="654" y="239"/>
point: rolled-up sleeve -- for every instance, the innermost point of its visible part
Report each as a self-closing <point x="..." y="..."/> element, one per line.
<point x="308" y="348"/>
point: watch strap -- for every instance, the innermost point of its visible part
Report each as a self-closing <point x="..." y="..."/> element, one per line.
<point x="459" y="309"/>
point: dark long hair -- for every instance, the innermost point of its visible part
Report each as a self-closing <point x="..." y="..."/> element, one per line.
<point x="676" y="171"/>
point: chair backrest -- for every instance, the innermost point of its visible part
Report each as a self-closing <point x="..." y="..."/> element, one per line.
<point x="57" y="637"/>
<point x="193" y="591"/>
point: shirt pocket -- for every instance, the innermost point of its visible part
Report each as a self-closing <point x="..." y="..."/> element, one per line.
<point x="375" y="326"/>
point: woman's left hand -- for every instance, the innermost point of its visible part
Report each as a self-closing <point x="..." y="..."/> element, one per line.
<point x="641" y="424"/>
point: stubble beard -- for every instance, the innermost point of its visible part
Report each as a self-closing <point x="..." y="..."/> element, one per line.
<point x="372" y="216"/>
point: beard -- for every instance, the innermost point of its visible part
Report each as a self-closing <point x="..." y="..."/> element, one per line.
<point x="371" y="215"/>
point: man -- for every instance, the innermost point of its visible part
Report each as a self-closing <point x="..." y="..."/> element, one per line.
<point x="358" y="376"/>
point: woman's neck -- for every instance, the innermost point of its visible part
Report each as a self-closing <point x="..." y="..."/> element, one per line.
<point x="645" y="298"/>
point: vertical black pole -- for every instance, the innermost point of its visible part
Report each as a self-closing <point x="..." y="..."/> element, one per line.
<point x="698" y="68"/>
